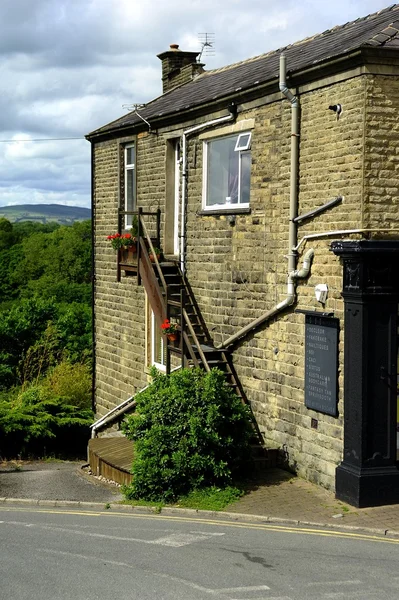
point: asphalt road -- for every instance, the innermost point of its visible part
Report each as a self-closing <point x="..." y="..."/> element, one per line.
<point x="64" y="555"/>
<point x="54" y="480"/>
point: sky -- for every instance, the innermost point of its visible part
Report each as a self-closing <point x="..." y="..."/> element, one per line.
<point x="70" y="66"/>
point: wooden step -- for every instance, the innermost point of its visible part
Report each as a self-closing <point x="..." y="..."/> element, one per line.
<point x="112" y="458"/>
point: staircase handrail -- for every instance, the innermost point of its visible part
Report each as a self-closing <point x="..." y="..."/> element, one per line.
<point x="151" y="247"/>
<point x="197" y="343"/>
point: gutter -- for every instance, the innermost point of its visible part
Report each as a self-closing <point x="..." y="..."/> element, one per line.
<point x="305" y="75"/>
<point x="340" y="232"/>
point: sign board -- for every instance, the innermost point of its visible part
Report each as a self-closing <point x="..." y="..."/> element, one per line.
<point x="321" y="364"/>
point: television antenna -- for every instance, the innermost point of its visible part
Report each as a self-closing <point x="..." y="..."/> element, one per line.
<point x="131" y="107"/>
<point x="207" y="41"/>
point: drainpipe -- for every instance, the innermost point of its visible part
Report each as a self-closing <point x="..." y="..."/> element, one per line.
<point x="288" y="301"/>
<point x="230" y="117"/>
<point x="292" y="232"/>
<point x="293" y="274"/>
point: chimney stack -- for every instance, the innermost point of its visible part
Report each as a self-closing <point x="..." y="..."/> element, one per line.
<point x="178" y="67"/>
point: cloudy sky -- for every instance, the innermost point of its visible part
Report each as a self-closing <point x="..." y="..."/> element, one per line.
<point x="70" y="66"/>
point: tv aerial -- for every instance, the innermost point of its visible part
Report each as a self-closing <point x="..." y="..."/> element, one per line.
<point x="207" y="41"/>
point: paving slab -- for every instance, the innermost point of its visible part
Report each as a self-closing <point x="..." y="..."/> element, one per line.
<point x="279" y="494"/>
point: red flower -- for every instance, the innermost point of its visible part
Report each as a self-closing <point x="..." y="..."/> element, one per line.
<point x="168" y="327"/>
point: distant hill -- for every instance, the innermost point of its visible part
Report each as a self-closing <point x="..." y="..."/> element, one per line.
<point x="45" y="213"/>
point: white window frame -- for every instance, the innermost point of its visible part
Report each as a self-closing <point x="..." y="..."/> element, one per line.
<point x="127" y="168"/>
<point x="245" y="148"/>
<point x="243" y="145"/>
<point x="153" y="328"/>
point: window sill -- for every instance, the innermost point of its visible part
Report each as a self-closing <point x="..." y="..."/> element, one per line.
<point x="225" y="211"/>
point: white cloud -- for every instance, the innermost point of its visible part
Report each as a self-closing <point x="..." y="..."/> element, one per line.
<point x="68" y="66"/>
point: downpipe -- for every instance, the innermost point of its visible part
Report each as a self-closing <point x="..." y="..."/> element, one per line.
<point x="293" y="274"/>
<point x="288" y="301"/>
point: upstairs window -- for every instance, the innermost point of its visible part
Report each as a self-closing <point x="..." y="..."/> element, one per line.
<point x="130" y="182"/>
<point x="227" y="172"/>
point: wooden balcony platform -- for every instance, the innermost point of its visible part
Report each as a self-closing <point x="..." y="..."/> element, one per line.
<point x="112" y="458"/>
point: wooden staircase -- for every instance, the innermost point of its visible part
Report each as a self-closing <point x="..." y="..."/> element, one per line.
<point x="196" y="347"/>
<point x="171" y="297"/>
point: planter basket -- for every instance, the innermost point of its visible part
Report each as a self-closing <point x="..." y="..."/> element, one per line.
<point x="129" y="254"/>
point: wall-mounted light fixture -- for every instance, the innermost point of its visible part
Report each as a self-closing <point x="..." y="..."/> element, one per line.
<point x="337" y="108"/>
<point x="321" y="292"/>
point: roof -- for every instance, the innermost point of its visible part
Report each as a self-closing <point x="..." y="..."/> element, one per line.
<point x="378" y="30"/>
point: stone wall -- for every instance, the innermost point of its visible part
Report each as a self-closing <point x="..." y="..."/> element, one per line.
<point x="119" y="307"/>
<point x="238" y="271"/>
<point x="381" y="189"/>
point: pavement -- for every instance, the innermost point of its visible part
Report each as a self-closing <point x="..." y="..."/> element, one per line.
<point x="276" y="496"/>
<point x="53" y="481"/>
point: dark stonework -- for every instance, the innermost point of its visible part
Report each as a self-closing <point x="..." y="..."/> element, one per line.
<point x="368" y="474"/>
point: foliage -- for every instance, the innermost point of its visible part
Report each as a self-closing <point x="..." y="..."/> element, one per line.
<point x="211" y="498"/>
<point x="34" y="421"/>
<point x="44" y="259"/>
<point x="45" y="337"/>
<point x="124" y="240"/>
<point x="168" y="327"/>
<point x="21" y="327"/>
<point x="70" y="381"/>
<point x="190" y="431"/>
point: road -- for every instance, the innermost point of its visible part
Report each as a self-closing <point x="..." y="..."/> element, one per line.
<point x="64" y="554"/>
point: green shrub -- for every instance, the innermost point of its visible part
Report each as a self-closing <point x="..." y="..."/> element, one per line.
<point x="190" y="431"/>
<point x="33" y="423"/>
<point x="70" y="381"/>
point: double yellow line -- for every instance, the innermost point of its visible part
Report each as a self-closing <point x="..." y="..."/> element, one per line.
<point x="219" y="523"/>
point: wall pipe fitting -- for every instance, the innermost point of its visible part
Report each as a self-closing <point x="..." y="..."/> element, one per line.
<point x="288" y="301"/>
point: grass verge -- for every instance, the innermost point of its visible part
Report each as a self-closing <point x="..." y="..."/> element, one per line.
<point x="210" y="498"/>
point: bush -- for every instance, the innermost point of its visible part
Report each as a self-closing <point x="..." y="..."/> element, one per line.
<point x="190" y="431"/>
<point x="33" y="423"/>
<point x="70" y="381"/>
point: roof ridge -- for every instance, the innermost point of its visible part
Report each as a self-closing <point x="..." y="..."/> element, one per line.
<point x="392" y="7"/>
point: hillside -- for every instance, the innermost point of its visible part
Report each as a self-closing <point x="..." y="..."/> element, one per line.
<point x="45" y="213"/>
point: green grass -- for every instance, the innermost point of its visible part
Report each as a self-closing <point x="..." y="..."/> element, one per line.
<point x="211" y="498"/>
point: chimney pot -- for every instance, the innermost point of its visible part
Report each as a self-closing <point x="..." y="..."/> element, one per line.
<point x="174" y="46"/>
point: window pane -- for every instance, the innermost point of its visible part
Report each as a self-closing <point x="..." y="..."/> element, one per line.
<point x="245" y="176"/>
<point x="222" y="179"/>
<point x="243" y="142"/>
<point x="130" y="189"/>
<point x="130" y="200"/>
<point x="130" y="155"/>
<point x="159" y="349"/>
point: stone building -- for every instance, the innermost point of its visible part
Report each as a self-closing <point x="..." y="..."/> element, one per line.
<point x="272" y="187"/>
